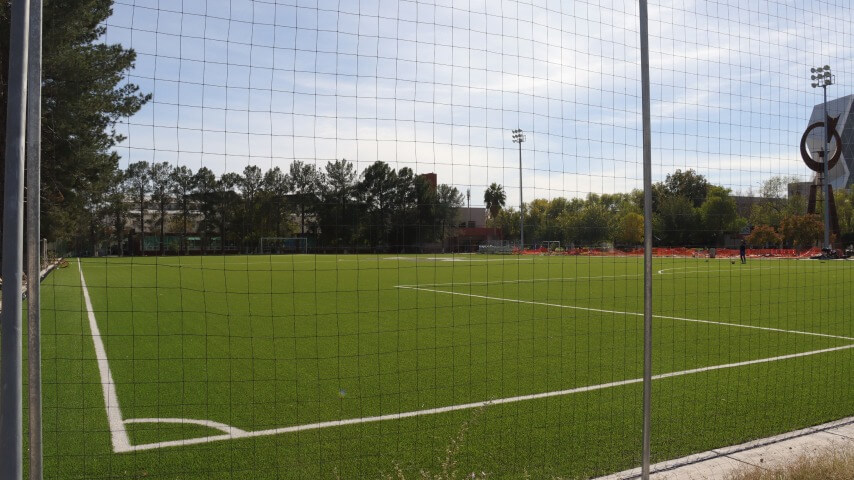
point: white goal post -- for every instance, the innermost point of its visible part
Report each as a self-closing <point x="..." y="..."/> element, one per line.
<point x="282" y="245"/>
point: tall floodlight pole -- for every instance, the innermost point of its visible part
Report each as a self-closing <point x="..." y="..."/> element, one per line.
<point x="822" y="77"/>
<point x="519" y="137"/>
<point x="646" y="117"/>
<point x="11" y="384"/>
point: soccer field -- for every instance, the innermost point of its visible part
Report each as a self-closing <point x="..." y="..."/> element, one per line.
<point x="329" y="366"/>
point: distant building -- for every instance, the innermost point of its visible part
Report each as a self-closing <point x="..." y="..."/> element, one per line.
<point x="431" y="178"/>
<point x="471" y="217"/>
<point x="799" y="188"/>
<point x="744" y="204"/>
<point x="471" y="230"/>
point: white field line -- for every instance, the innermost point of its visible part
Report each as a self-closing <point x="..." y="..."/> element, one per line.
<point x="121" y="442"/>
<point x="468" y="406"/>
<point x="190" y="421"/>
<point x="666" y="271"/>
<point x="669" y="271"/>
<point x="236" y="265"/>
<point x="635" y="314"/>
<point x="527" y="280"/>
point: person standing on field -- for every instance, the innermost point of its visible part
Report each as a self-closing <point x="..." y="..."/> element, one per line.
<point x="742" y="252"/>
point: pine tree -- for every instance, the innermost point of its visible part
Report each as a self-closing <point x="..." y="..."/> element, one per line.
<point x="84" y="94"/>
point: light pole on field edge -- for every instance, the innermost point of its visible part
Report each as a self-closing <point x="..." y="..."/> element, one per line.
<point x="519" y="137"/>
<point x="822" y="77"/>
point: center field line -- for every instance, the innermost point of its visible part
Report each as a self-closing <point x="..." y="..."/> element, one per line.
<point x="666" y="271"/>
<point x="524" y="280"/>
<point x="119" y="435"/>
<point x="618" y="312"/>
<point x="468" y="406"/>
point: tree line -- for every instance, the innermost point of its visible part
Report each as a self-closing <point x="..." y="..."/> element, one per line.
<point x="688" y="210"/>
<point x="336" y="206"/>
<point x="386" y="209"/>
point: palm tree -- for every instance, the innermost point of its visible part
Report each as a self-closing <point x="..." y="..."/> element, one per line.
<point x="494" y="198"/>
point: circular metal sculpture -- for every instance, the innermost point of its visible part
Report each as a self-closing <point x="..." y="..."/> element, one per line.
<point x="818" y="167"/>
<point x="831" y="134"/>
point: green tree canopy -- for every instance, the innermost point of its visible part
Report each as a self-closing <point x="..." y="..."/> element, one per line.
<point x="718" y="213"/>
<point x="764" y="236"/>
<point x="688" y="184"/>
<point x="803" y="231"/>
<point x="85" y="92"/>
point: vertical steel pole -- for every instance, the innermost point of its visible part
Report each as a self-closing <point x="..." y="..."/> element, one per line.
<point x="647" y="240"/>
<point x="521" y="203"/>
<point x="34" y="354"/>
<point x="826" y="182"/>
<point x="11" y="418"/>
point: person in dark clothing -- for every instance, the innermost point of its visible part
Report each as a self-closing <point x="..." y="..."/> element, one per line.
<point x="742" y="252"/>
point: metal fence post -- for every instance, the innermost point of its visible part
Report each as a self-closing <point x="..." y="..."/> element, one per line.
<point x="33" y="241"/>
<point x="11" y="418"/>
<point x="647" y="239"/>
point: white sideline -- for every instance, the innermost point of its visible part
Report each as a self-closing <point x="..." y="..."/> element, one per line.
<point x="668" y="271"/>
<point x="468" y="406"/>
<point x="121" y="441"/>
<point x="665" y="271"/>
<point x="119" y="435"/>
<point x="634" y="314"/>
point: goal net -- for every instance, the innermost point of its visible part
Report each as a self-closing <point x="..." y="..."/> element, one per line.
<point x="282" y="245"/>
<point x="552" y="246"/>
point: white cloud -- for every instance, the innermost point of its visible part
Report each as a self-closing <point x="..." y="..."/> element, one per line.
<point x="438" y="88"/>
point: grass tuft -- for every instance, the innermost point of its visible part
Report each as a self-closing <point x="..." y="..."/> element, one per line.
<point x="830" y="464"/>
<point x="449" y="468"/>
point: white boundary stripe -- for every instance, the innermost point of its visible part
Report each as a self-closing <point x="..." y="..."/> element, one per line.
<point x="635" y="314"/>
<point x="468" y="406"/>
<point x="666" y="271"/>
<point x="525" y="280"/>
<point x="121" y="442"/>
<point x="189" y="421"/>
<point x="669" y="271"/>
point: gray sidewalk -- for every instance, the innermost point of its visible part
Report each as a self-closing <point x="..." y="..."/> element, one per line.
<point x="764" y="453"/>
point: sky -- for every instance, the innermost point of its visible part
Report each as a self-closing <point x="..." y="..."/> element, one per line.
<point x="438" y="85"/>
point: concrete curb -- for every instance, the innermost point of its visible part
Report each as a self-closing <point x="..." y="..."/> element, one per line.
<point x="42" y="275"/>
<point x="763" y="453"/>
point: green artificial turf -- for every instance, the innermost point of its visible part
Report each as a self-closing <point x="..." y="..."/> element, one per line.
<point x="265" y="342"/>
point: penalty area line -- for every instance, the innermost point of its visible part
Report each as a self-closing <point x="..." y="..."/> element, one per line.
<point x="634" y="314"/>
<point x="239" y="434"/>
